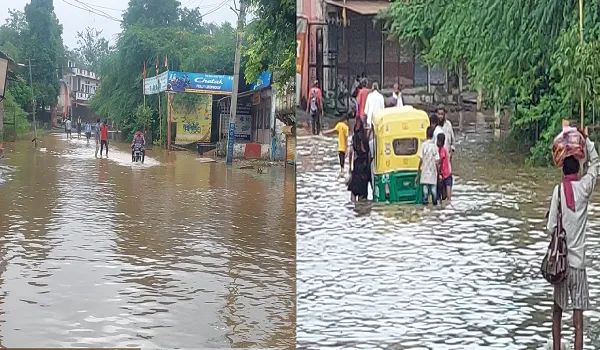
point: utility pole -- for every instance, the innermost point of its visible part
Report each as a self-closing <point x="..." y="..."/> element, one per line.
<point x="33" y="104"/>
<point x="236" y="80"/>
<point x="581" y="107"/>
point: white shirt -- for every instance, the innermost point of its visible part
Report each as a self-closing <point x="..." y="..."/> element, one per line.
<point x="398" y="97"/>
<point x="438" y="130"/>
<point x="430" y="157"/>
<point x="449" y="131"/>
<point x="575" y="222"/>
<point x="68" y="124"/>
<point x="375" y="102"/>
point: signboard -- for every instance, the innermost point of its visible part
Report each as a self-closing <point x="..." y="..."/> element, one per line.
<point x="200" y="83"/>
<point x="243" y="122"/>
<point x="154" y="85"/>
<point x="3" y="76"/>
<point x="256" y="99"/>
<point x="193" y="122"/>
<point x="263" y="81"/>
<point x="301" y="25"/>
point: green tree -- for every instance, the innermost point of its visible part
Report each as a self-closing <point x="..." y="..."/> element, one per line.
<point x="523" y="54"/>
<point x="43" y="44"/>
<point x="152" y="13"/>
<point x="12" y="37"/>
<point x="13" y="113"/>
<point x="270" y="40"/>
<point x="93" y="48"/>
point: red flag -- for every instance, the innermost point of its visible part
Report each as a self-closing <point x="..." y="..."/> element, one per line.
<point x="156" y="65"/>
<point x="144" y="71"/>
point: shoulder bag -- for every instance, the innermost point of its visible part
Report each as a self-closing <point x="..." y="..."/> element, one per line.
<point x="555" y="265"/>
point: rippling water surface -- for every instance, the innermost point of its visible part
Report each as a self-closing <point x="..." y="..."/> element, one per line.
<point x="173" y="253"/>
<point x="463" y="276"/>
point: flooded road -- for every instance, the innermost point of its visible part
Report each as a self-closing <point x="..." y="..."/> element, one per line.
<point x="173" y="253"/>
<point x="465" y="276"/>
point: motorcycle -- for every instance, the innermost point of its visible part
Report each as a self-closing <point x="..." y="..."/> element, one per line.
<point x="137" y="153"/>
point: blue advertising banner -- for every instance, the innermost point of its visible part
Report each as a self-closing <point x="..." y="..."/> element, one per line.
<point x="200" y="83"/>
<point x="262" y="81"/>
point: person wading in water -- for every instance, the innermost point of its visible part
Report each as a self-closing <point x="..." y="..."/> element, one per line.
<point x="315" y="107"/>
<point x="574" y="200"/>
<point x="360" y="170"/>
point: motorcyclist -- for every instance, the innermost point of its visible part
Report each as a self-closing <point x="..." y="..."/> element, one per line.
<point x="138" y="138"/>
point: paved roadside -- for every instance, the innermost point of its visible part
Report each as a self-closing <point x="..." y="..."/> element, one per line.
<point x="303" y="120"/>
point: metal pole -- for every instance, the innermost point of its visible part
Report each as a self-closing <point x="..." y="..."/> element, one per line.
<point x="169" y="121"/>
<point x="33" y="104"/>
<point x="160" y="119"/>
<point x="581" y="38"/>
<point x="236" y="79"/>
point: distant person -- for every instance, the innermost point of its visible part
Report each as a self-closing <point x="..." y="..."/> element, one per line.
<point x="342" y="130"/>
<point x="445" y="176"/>
<point x="574" y="200"/>
<point x="427" y="175"/>
<point x="360" y="174"/>
<point x="97" y="133"/>
<point x="342" y="92"/>
<point x="315" y="107"/>
<point x="355" y="86"/>
<point x="446" y="126"/>
<point x="68" y="128"/>
<point x="78" y="128"/>
<point x="375" y="102"/>
<point x="361" y="100"/>
<point x="397" y="99"/>
<point x="88" y="131"/>
<point x="104" y="137"/>
<point x="434" y="122"/>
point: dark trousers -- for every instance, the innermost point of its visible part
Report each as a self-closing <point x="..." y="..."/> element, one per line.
<point x="103" y="143"/>
<point x="316" y="122"/>
<point x="342" y="156"/>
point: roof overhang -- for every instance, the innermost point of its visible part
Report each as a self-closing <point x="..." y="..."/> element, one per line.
<point x="362" y="7"/>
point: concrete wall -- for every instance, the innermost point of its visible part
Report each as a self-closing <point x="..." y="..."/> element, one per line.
<point x="239" y="150"/>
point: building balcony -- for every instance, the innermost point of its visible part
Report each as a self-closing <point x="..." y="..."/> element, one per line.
<point x="81" y="96"/>
<point x="84" y="73"/>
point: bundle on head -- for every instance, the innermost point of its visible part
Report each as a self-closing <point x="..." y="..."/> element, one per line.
<point x="570" y="142"/>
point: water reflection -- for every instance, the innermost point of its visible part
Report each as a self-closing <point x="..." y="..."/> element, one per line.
<point x="403" y="277"/>
<point x="172" y="253"/>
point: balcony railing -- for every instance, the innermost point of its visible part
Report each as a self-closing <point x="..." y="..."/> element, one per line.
<point x="85" y="73"/>
<point x="82" y="96"/>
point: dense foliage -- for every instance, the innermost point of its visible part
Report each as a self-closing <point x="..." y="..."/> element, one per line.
<point x="271" y="40"/>
<point x="147" y="34"/>
<point x="43" y="44"/>
<point x="523" y="54"/>
<point x="14" y="116"/>
<point x="92" y="50"/>
<point x="34" y="33"/>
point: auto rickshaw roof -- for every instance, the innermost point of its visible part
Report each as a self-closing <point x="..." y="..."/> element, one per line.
<point x="404" y="113"/>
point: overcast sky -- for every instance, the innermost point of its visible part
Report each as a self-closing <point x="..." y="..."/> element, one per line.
<point x="74" y="19"/>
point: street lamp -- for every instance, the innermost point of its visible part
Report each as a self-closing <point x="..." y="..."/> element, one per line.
<point x="32" y="100"/>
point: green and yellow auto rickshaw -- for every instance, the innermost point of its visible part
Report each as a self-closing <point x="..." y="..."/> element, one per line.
<point x="399" y="133"/>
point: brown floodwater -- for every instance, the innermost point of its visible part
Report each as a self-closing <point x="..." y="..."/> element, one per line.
<point x="173" y="253"/>
<point x="461" y="276"/>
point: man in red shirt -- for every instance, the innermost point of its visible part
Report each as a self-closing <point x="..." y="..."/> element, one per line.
<point x="361" y="99"/>
<point x="104" y="137"/>
<point x="315" y="107"/>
